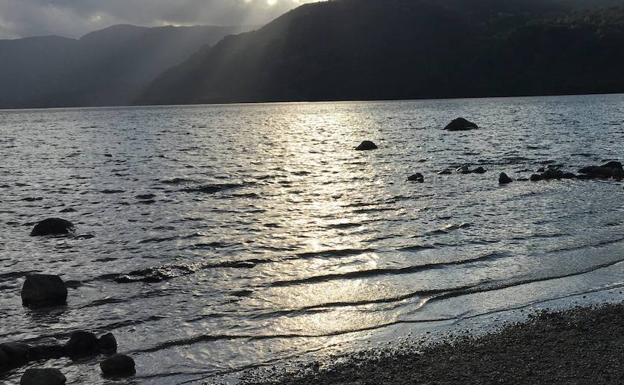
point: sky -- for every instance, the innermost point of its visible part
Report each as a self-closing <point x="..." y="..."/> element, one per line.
<point x="74" y="18"/>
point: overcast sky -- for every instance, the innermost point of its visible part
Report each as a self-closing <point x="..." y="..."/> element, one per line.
<point x="73" y="18"/>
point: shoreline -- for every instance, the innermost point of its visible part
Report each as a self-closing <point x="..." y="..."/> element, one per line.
<point x="582" y="345"/>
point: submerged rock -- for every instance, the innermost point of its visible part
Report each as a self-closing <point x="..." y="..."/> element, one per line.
<point x="43" y="377"/>
<point x="446" y="171"/>
<point x="479" y="170"/>
<point x="118" y="365"/>
<point x="461" y="124"/>
<point x="504" y="178"/>
<point x="606" y="171"/>
<point x="466" y="170"/>
<point x="418" y="177"/>
<point x="463" y="170"/>
<point x="52" y="226"/>
<point x="552" y="173"/>
<point x="366" y="145"/>
<point x="82" y="344"/>
<point x="42" y="290"/>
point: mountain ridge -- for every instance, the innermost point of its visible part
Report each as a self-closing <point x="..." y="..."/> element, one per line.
<point x="401" y="49"/>
<point x="102" y="68"/>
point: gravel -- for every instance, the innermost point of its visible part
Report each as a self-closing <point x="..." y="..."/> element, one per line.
<point x="577" y="346"/>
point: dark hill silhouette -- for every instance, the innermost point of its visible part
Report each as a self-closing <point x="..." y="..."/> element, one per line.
<point x="403" y="49"/>
<point x="107" y="67"/>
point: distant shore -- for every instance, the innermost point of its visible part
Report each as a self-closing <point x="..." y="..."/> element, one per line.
<point x="578" y="346"/>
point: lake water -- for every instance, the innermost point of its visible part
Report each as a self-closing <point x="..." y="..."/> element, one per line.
<point x="260" y="235"/>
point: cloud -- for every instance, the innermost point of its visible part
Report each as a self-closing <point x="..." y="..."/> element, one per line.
<point x="73" y="18"/>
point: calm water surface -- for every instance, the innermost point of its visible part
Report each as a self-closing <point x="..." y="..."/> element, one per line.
<point x="216" y="238"/>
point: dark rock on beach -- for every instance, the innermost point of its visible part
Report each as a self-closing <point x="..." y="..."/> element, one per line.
<point x="43" y="290"/>
<point x="461" y="124"/>
<point x="118" y="365"/>
<point x="52" y="226"/>
<point x="504" y="178"/>
<point x="82" y="344"/>
<point x="418" y="177"/>
<point x="43" y="377"/>
<point x="366" y="145"/>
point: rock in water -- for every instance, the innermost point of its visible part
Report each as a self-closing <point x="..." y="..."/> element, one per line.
<point x="46" y="352"/>
<point x="41" y="290"/>
<point x="107" y="344"/>
<point x="43" y="377"/>
<point x="461" y="124"/>
<point x="479" y="170"/>
<point x="52" y="226"/>
<point x="607" y="170"/>
<point x="504" y="179"/>
<point x="118" y="365"/>
<point x="463" y="170"/>
<point x="13" y="355"/>
<point x="82" y="344"/>
<point x="366" y="145"/>
<point x="418" y="177"/>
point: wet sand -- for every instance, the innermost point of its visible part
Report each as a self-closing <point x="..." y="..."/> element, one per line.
<point x="578" y="346"/>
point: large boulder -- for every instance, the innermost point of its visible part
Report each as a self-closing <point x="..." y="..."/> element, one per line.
<point x="43" y="377"/>
<point x="366" y="145"/>
<point x="82" y="344"/>
<point x="461" y="124"/>
<point x="42" y="290"/>
<point x="13" y="355"/>
<point x="52" y="226"/>
<point x="606" y="171"/>
<point x="117" y="366"/>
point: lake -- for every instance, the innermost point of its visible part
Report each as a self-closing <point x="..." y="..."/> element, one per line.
<point x="211" y="239"/>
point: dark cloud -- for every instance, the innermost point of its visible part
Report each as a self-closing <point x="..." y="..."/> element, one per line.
<point x="73" y="18"/>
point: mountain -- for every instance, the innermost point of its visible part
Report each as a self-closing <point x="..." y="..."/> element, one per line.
<point x="107" y="67"/>
<point x="404" y="49"/>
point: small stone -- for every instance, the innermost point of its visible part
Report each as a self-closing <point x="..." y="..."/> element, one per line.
<point x="107" y="344"/>
<point x="463" y="170"/>
<point x="52" y="226"/>
<point x="43" y="377"/>
<point x="42" y="290"/>
<point x="366" y="145"/>
<point x="504" y="178"/>
<point x="82" y="344"/>
<point x="418" y="177"/>
<point x="118" y="365"/>
<point x="479" y="170"/>
<point x="535" y="178"/>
